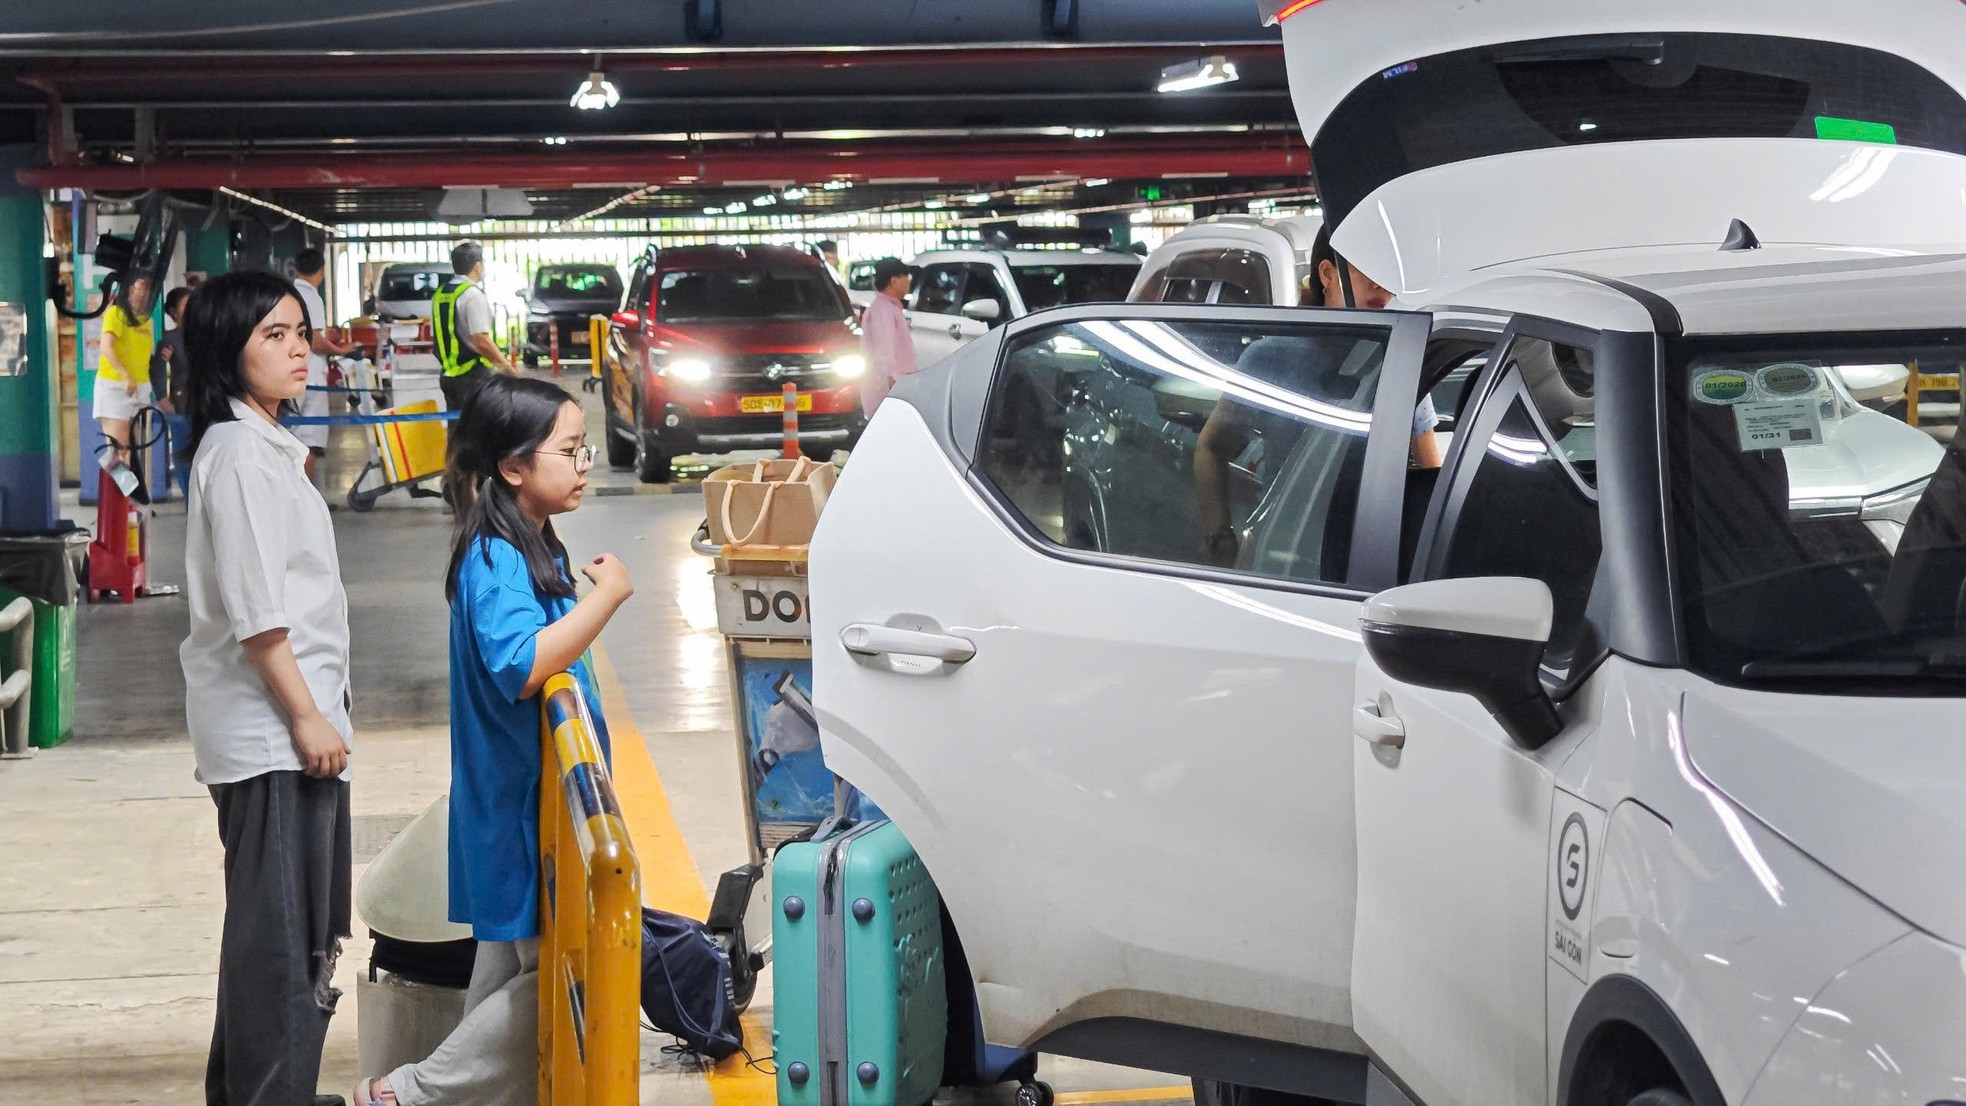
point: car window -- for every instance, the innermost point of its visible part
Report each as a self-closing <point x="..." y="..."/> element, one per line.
<point x="1045" y="286"/>
<point x="860" y="276"/>
<point x="588" y="281"/>
<point x="638" y="289"/>
<point x="1222" y="276"/>
<point x="738" y="294"/>
<point x="983" y="284"/>
<point x="410" y="284"/>
<point x="1531" y="508"/>
<point x="1821" y="545"/>
<point x="1232" y="445"/>
<point x="939" y="290"/>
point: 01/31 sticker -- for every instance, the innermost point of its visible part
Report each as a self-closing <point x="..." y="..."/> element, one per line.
<point x="1779" y="425"/>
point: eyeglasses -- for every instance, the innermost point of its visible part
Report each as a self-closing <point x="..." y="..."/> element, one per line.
<point x="582" y="456"/>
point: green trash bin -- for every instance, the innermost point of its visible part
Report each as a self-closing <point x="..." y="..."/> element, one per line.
<point x="45" y="569"/>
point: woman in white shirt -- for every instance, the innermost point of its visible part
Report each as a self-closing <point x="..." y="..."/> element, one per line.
<point x="266" y="672"/>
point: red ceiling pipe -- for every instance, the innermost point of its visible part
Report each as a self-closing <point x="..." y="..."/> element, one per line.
<point x="139" y="71"/>
<point x="950" y="163"/>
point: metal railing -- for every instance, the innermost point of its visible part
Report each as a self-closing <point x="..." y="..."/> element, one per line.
<point x="16" y="691"/>
<point x="590" y="933"/>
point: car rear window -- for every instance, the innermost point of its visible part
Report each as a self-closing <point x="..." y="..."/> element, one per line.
<point x="1045" y="286"/>
<point x="410" y="284"/>
<point x="1571" y="92"/>
<point x="597" y="282"/>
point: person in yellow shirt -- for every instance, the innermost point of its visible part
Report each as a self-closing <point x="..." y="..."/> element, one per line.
<point x="123" y="374"/>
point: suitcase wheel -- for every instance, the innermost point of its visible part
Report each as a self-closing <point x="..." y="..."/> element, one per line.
<point x="1035" y="1093"/>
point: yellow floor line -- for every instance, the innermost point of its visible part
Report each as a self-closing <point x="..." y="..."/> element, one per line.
<point x="670" y="878"/>
<point x="1142" y="1094"/>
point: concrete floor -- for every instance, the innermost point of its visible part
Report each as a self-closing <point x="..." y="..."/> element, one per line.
<point x="110" y="892"/>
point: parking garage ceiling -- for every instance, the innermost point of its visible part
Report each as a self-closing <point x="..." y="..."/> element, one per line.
<point x="354" y="113"/>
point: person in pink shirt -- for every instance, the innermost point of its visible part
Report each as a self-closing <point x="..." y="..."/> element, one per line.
<point x="884" y="334"/>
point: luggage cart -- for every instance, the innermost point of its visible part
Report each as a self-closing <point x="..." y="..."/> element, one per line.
<point x="761" y="610"/>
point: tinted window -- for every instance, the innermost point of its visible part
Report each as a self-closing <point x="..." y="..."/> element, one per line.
<point x="1476" y="103"/>
<point x="1530" y="509"/>
<point x="1233" y="445"/>
<point x="1045" y="286"/>
<point x="589" y="282"/>
<point x="860" y="276"/>
<point x="939" y="290"/>
<point x="1821" y="544"/>
<point x="735" y="295"/>
<point x="411" y="284"/>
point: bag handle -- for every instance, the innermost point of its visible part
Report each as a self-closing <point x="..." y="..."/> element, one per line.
<point x="757" y="524"/>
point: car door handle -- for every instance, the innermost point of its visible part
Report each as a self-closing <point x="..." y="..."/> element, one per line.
<point x="879" y="641"/>
<point x="1376" y="728"/>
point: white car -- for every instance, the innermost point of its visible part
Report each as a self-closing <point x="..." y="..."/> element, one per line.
<point x="960" y="294"/>
<point x="1618" y="762"/>
<point x="1231" y="259"/>
<point x="403" y="291"/>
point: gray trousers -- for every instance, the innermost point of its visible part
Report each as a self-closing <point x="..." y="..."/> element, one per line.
<point x="492" y="1057"/>
<point x="287" y="872"/>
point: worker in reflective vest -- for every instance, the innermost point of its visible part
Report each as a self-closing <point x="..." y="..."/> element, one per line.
<point x="461" y="321"/>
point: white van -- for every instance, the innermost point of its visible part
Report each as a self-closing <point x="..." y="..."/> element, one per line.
<point x="1617" y="762"/>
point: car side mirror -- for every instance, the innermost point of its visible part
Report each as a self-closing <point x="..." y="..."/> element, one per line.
<point x="1483" y="637"/>
<point x="983" y="311"/>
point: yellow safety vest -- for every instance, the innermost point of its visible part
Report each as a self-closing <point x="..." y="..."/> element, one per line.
<point x="457" y="357"/>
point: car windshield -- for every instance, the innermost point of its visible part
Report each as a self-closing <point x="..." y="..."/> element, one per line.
<point x="410" y="284"/>
<point x="1820" y="543"/>
<point x="1045" y="286"/>
<point x="740" y="295"/>
<point x="584" y="282"/>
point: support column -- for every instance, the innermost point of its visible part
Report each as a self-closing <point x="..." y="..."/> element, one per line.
<point x="28" y="380"/>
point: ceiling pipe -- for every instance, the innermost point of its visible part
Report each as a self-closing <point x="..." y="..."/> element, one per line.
<point x="140" y="69"/>
<point x="959" y="163"/>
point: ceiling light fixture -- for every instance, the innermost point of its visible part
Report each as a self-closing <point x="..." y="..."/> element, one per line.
<point x="598" y="93"/>
<point x="1587" y="126"/>
<point x="1098" y="182"/>
<point x="1187" y="76"/>
<point x="713" y="211"/>
<point x="765" y="200"/>
<point x="837" y="185"/>
<point x="735" y="208"/>
<point x="935" y="205"/>
<point x="795" y="194"/>
<point x="555" y="140"/>
<point x="1090" y="132"/>
<point x="977" y="198"/>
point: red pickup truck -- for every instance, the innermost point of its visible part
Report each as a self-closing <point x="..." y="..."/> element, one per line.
<point x="700" y="353"/>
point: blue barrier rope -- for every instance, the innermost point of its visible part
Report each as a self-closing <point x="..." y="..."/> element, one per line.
<point x="366" y="420"/>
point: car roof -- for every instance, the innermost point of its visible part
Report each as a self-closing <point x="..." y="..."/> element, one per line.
<point x="1300" y="231"/>
<point x="1032" y="257"/>
<point x="706" y="257"/>
<point x="1776" y="289"/>
<point x="418" y="266"/>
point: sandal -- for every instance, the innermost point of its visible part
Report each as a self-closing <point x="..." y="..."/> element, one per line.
<point x="365" y="1094"/>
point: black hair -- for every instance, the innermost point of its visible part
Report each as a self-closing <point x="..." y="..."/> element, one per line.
<point x="123" y="303"/>
<point x="1322" y="251"/>
<point x="175" y="297"/>
<point x="827" y="245"/>
<point x="507" y="417"/>
<point x="309" y="261"/>
<point x="465" y="257"/>
<point x="218" y="322"/>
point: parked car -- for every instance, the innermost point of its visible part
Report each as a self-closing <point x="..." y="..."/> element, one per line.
<point x="1232" y="259"/>
<point x="860" y="285"/>
<point x="960" y="294"/>
<point x="565" y="297"/>
<point x="404" y="291"/>
<point x="1578" y="771"/>
<point x="699" y="353"/>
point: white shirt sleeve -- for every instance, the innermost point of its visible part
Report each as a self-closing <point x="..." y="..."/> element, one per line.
<point x="474" y="314"/>
<point x="242" y="503"/>
<point x="1425" y="418"/>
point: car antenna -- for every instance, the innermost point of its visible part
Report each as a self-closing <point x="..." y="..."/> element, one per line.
<point x="1740" y="236"/>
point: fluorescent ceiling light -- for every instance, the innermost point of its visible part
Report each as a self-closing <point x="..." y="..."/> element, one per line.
<point x="1187" y="76"/>
<point x="597" y="94"/>
<point x="1096" y="132"/>
<point x="977" y="198"/>
<point x="838" y="185"/>
<point x="934" y="205"/>
<point x="796" y="194"/>
<point x="556" y="140"/>
<point x="1587" y="125"/>
<point x="1098" y="182"/>
<point x="713" y="211"/>
<point x="765" y="200"/>
<point x="735" y="208"/>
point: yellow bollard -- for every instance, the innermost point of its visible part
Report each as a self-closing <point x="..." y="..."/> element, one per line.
<point x="597" y="343"/>
<point x="590" y="906"/>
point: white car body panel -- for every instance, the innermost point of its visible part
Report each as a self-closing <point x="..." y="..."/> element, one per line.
<point x="1082" y="711"/>
<point x="937" y="335"/>
<point x="1419" y="231"/>
<point x="1734" y="926"/>
<point x="1837" y="1051"/>
<point x="1332" y="47"/>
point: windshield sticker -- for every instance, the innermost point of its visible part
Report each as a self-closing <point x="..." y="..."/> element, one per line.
<point x="1855" y="130"/>
<point x="1779" y="425"/>
<point x="1789" y="380"/>
<point x="1720" y="386"/>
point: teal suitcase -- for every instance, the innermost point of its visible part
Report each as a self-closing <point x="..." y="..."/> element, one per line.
<point x="859" y="990"/>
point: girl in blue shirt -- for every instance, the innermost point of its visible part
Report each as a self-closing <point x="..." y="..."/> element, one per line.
<point x="519" y="456"/>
